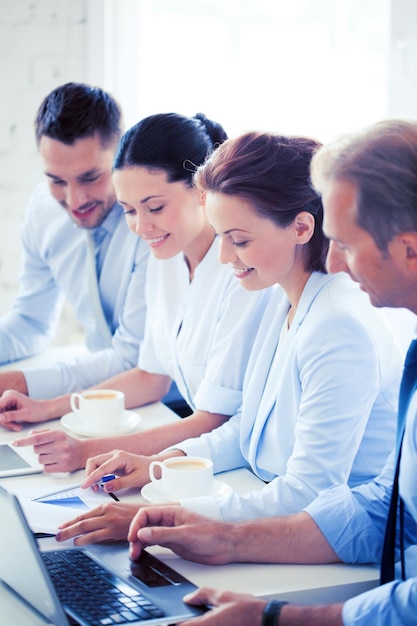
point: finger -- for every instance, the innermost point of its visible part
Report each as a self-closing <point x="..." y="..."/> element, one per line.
<point x="202" y="596"/>
<point x="135" y="550"/>
<point x="95" y="462"/>
<point x="164" y="536"/>
<point x="76" y="520"/>
<point x="96" y="475"/>
<point x="88" y="531"/>
<point x="86" y="522"/>
<point x="99" y="535"/>
<point x="37" y="437"/>
<point x="11" y="425"/>
<point x="8" y="415"/>
<point x="150" y="516"/>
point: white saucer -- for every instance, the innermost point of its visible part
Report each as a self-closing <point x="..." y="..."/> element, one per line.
<point x="152" y="492"/>
<point x="130" y="421"/>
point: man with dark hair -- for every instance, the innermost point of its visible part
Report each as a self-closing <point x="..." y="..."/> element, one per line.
<point x="368" y="184"/>
<point x="77" y="130"/>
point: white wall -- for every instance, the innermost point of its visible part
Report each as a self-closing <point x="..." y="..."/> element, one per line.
<point x="42" y="44"/>
<point x="403" y="59"/>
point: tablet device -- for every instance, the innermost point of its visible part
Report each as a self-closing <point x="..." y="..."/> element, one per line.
<point x="17" y="461"/>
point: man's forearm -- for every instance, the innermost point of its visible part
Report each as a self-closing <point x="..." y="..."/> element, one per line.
<point x="287" y="539"/>
<point x="327" y="615"/>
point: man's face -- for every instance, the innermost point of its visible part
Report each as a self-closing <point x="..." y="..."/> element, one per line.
<point x="79" y="177"/>
<point x="385" y="277"/>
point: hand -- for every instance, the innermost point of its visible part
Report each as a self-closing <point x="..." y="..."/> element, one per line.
<point x="16" y="408"/>
<point x="188" y="534"/>
<point x="132" y="470"/>
<point x="57" y="451"/>
<point x="233" y="609"/>
<point x="107" y="522"/>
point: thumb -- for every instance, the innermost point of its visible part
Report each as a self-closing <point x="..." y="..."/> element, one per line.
<point x="199" y="597"/>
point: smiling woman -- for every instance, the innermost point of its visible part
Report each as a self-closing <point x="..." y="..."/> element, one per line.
<point x="167" y="215"/>
<point x="298" y="402"/>
<point x="196" y="312"/>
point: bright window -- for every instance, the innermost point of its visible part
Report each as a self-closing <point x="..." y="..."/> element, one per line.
<point x="318" y="67"/>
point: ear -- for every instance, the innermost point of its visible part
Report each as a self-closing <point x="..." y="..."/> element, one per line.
<point x="304" y="224"/>
<point x="203" y="195"/>
<point x="409" y="243"/>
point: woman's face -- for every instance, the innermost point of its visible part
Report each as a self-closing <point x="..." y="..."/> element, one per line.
<point x="168" y="216"/>
<point x="260" y="252"/>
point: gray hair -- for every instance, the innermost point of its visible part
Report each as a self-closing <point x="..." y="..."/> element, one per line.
<point x="381" y="163"/>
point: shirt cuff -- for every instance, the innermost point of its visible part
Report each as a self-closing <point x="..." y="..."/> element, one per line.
<point x="192" y="447"/>
<point x="216" y="399"/>
<point x="345" y="524"/>
<point x="205" y="505"/>
<point x="45" y="383"/>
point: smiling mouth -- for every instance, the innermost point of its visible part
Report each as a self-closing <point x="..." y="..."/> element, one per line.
<point x="83" y="211"/>
<point x="240" y="272"/>
<point x="156" y="240"/>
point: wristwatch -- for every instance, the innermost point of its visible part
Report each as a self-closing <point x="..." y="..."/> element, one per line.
<point x="270" y="616"/>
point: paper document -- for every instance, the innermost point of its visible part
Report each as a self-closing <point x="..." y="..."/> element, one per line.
<point x="46" y="511"/>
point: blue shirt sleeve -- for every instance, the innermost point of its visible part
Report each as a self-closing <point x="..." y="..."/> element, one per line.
<point x="353" y="522"/>
<point x="29" y="326"/>
<point x="52" y="271"/>
<point x="388" y="605"/>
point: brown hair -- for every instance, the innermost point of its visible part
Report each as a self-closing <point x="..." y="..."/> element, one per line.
<point x="272" y="173"/>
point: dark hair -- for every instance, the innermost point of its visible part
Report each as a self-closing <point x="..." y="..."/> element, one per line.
<point x="170" y="142"/>
<point x="75" y="111"/>
<point x="272" y="173"/>
<point x="381" y="162"/>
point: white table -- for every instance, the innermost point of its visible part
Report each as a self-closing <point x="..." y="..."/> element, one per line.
<point x="297" y="583"/>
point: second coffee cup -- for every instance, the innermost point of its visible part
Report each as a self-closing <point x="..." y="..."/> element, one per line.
<point x="183" y="477"/>
<point x="99" y="409"/>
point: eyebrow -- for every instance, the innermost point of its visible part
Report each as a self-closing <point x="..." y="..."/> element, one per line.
<point x="144" y="200"/>
<point x="232" y="230"/>
<point x="94" y="171"/>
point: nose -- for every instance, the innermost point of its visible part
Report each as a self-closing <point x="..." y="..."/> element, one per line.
<point x="335" y="261"/>
<point x="141" y="224"/>
<point x="75" y="196"/>
<point x="227" y="252"/>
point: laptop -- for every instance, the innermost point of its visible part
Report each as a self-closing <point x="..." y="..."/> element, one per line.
<point x="18" y="461"/>
<point x="52" y="582"/>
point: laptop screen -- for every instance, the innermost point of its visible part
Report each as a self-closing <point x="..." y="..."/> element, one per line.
<point x="21" y="566"/>
<point x="22" y="569"/>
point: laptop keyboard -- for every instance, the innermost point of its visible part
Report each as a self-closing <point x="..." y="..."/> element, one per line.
<point x="90" y="592"/>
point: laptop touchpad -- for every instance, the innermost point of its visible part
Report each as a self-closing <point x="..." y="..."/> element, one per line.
<point x="153" y="572"/>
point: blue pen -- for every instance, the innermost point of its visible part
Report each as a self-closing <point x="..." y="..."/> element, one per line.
<point x="106" y="479"/>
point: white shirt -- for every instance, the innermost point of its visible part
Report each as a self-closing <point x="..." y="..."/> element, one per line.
<point x="200" y="333"/>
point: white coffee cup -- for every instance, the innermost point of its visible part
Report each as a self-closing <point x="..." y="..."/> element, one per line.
<point x="183" y="476"/>
<point x="99" y="409"/>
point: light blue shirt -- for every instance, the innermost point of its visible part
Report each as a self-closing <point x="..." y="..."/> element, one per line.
<point x="353" y="522"/>
<point x="200" y="333"/>
<point x="319" y="402"/>
<point x="54" y="257"/>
